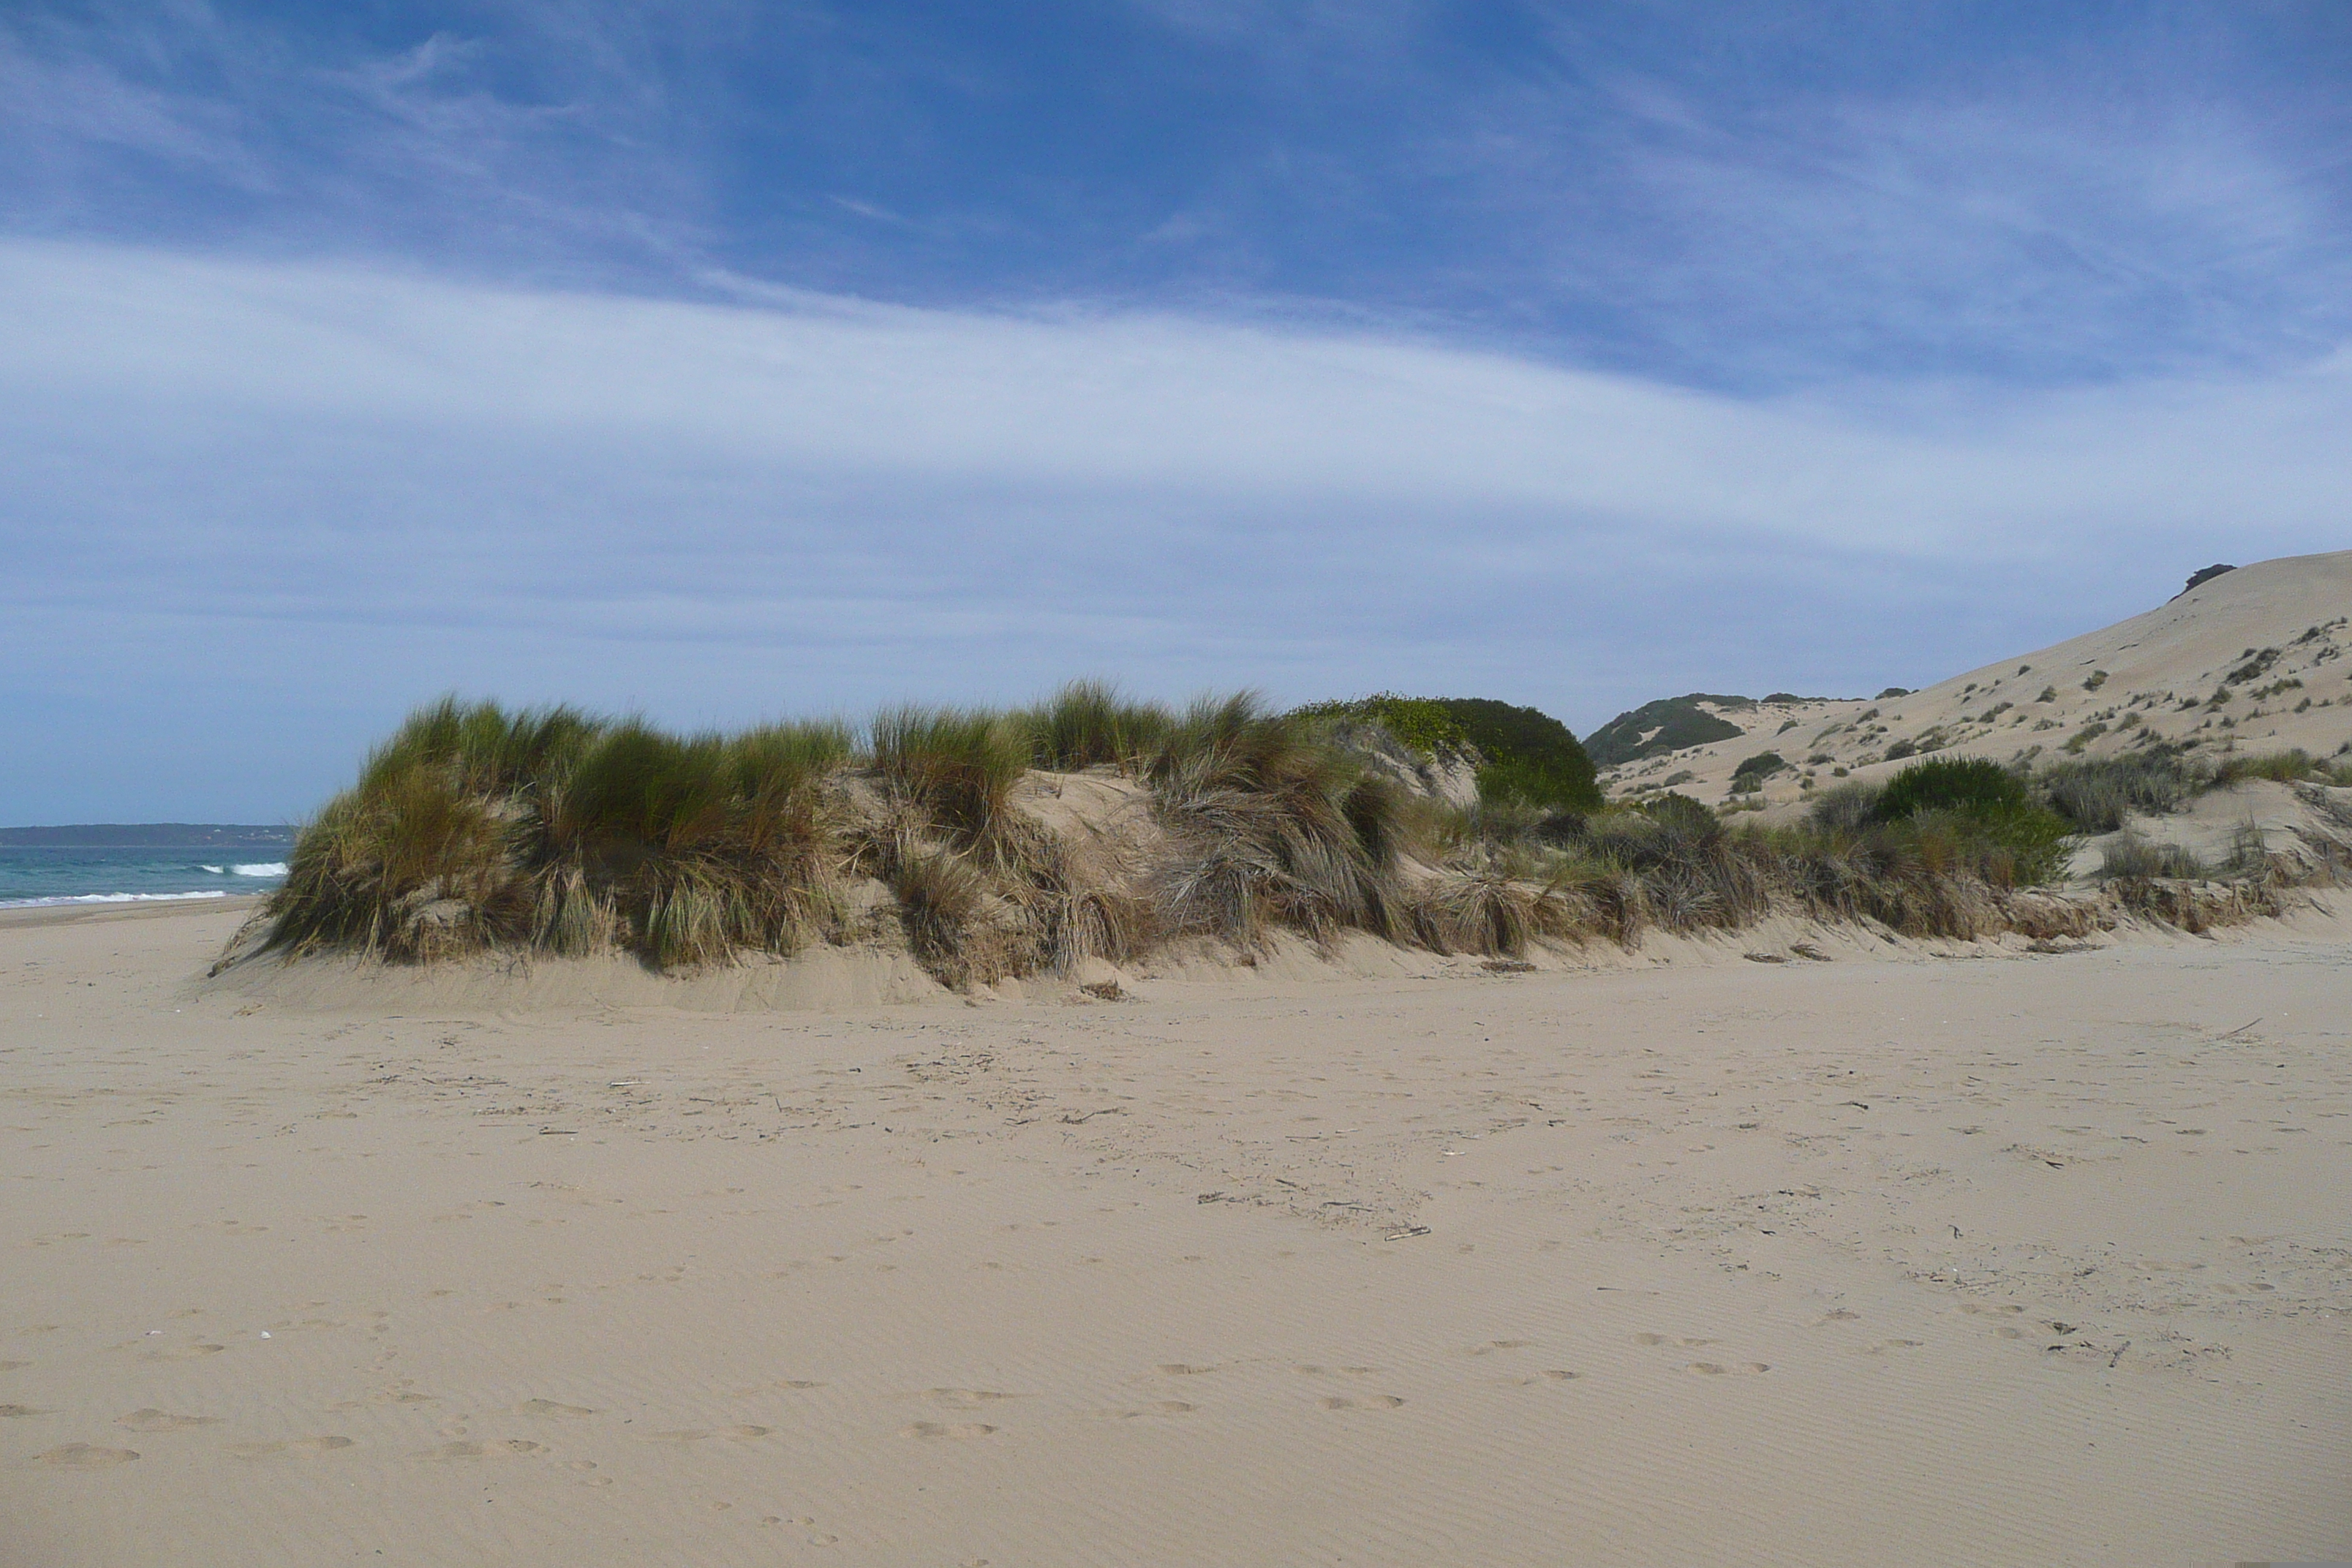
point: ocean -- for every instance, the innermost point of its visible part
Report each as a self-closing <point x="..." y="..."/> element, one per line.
<point x="214" y="863"/>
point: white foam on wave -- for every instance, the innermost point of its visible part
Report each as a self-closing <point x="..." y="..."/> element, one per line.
<point x="260" y="869"/>
<point x="216" y="870"/>
<point x="103" y="899"/>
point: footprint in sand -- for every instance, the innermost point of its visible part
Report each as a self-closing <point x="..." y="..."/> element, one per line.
<point x="1491" y="1346"/>
<point x="550" y="1407"/>
<point x="1838" y="1315"/>
<point x="934" y="1429"/>
<point x="297" y="1446"/>
<point x="1990" y="1310"/>
<point x="19" y="1411"/>
<point x="1883" y="1346"/>
<point x="1181" y="1369"/>
<point x="696" y="1433"/>
<point x="1716" y="1369"/>
<point x="14" y="1365"/>
<point x="153" y="1420"/>
<point x="965" y="1398"/>
<point x="183" y="1352"/>
<point x="83" y="1456"/>
<point x="1670" y="1340"/>
<point x="1361" y="1402"/>
<point x="498" y="1449"/>
<point x="1549" y="1374"/>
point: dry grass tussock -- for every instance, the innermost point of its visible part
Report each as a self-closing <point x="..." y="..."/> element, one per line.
<point x="476" y="829"/>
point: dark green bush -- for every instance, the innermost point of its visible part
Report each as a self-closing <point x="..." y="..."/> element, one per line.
<point x="1529" y="755"/>
<point x="1680" y="811"/>
<point x="1976" y="786"/>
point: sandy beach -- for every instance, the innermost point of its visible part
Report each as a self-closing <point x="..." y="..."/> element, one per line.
<point x="1898" y="1256"/>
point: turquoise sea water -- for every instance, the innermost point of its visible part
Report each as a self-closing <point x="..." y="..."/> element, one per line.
<point x="37" y="875"/>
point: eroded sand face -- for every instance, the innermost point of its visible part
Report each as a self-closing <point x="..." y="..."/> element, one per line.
<point x="2018" y="1260"/>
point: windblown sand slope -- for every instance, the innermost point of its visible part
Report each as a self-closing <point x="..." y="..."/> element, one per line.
<point x="1883" y="1258"/>
<point x="2274" y="635"/>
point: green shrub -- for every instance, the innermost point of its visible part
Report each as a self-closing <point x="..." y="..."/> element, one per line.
<point x="1975" y="786"/>
<point x="1529" y="755"/>
<point x="1421" y="725"/>
<point x="1984" y="807"/>
<point x="1682" y="813"/>
<point x="1749" y="776"/>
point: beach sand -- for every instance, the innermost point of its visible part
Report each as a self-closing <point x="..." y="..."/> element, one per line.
<point x="1895" y="1257"/>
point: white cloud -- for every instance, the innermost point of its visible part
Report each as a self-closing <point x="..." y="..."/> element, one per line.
<point x="240" y="489"/>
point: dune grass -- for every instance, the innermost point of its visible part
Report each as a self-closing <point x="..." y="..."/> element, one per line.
<point x="1280" y="826"/>
<point x="1088" y="724"/>
<point x="2098" y="795"/>
<point x="2279" y="768"/>
<point x="475" y="828"/>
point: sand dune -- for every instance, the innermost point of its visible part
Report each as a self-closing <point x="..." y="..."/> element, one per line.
<point x="2274" y="635"/>
<point x="1878" y="1257"/>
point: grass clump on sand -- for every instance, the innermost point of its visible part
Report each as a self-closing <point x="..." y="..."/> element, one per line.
<point x="956" y="766"/>
<point x="2096" y="796"/>
<point x="546" y="830"/>
<point x="1088" y="724"/>
<point x="2279" y="768"/>
<point x="1279" y="825"/>
<point x="2129" y="857"/>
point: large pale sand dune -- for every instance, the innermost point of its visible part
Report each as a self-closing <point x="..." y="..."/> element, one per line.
<point x="2282" y="627"/>
<point x="1891" y="1259"/>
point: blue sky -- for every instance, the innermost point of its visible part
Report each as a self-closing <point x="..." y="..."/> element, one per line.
<point x="723" y="362"/>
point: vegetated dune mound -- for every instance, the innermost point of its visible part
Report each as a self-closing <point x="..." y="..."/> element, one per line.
<point x="1088" y="841"/>
<point x="2258" y="660"/>
<point x="484" y="850"/>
